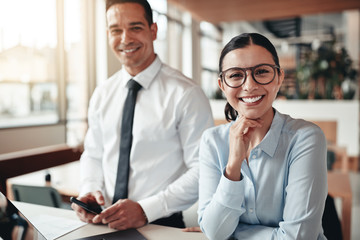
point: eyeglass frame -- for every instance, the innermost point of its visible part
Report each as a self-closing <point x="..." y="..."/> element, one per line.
<point x="273" y="66"/>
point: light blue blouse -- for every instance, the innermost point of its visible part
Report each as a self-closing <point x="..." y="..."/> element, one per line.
<point x="283" y="190"/>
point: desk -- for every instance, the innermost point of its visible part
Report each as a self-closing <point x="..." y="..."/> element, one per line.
<point x="339" y="186"/>
<point x="150" y="231"/>
<point x="31" y="160"/>
<point x="66" y="180"/>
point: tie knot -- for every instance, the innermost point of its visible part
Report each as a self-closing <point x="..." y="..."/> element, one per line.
<point x="133" y="85"/>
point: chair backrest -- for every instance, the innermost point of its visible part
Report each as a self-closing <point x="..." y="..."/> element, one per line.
<point x="42" y="195"/>
<point x="330" y="220"/>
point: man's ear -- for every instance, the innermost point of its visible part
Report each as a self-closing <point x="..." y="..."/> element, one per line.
<point x="154" y="29"/>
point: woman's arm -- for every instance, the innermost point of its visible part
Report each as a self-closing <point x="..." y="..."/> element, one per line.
<point x="305" y="192"/>
<point x="220" y="199"/>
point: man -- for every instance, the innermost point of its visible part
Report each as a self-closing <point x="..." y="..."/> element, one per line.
<point x="171" y="113"/>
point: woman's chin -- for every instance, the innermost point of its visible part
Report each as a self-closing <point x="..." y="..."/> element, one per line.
<point x="251" y="115"/>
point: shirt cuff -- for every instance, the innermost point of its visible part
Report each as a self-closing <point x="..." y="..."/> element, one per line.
<point x="152" y="207"/>
<point x="230" y="193"/>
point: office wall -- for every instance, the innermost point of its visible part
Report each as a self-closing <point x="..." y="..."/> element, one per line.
<point x="345" y="113"/>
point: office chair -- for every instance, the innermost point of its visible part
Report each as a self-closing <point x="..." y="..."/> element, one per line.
<point x="42" y="195"/>
<point x="330" y="221"/>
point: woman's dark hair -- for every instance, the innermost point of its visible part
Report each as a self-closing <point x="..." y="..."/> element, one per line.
<point x="242" y="41"/>
<point x="144" y="3"/>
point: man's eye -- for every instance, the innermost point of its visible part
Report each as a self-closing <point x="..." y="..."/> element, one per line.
<point x="136" y="28"/>
<point x="115" y="31"/>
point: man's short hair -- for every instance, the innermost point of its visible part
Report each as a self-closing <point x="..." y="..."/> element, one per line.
<point x="143" y="3"/>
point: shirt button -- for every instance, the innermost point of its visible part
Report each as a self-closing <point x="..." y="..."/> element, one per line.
<point x="251" y="210"/>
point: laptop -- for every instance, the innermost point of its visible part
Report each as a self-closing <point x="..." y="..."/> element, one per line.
<point x="13" y="224"/>
<point x="129" y="234"/>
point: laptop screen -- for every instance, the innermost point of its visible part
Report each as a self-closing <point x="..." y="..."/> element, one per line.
<point x="13" y="224"/>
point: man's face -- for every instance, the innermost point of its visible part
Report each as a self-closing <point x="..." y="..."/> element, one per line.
<point x="130" y="36"/>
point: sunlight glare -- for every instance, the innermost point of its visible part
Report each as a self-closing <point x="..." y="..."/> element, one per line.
<point x="25" y="23"/>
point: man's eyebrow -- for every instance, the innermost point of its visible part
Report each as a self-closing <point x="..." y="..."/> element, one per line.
<point x="137" y="23"/>
<point x="131" y="24"/>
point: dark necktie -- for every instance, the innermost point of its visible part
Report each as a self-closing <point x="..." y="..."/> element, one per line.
<point x="121" y="185"/>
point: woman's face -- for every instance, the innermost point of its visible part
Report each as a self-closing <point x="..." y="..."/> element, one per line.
<point x="251" y="100"/>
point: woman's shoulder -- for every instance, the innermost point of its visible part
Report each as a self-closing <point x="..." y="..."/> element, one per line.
<point x="298" y="126"/>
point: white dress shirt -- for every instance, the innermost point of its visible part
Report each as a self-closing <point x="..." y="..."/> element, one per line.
<point x="283" y="190"/>
<point x="170" y="116"/>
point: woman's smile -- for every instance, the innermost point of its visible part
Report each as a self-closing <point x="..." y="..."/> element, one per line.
<point x="251" y="99"/>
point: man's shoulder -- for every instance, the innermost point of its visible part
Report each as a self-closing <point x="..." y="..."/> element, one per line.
<point x="172" y="74"/>
<point x="220" y="132"/>
<point x="110" y="82"/>
<point x="106" y="86"/>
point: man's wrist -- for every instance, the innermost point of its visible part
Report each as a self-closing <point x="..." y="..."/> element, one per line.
<point x="144" y="215"/>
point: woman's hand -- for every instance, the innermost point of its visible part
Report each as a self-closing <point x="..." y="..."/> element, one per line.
<point x="191" y="229"/>
<point x="239" y="138"/>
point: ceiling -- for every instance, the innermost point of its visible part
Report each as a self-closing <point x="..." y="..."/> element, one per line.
<point x="218" y="11"/>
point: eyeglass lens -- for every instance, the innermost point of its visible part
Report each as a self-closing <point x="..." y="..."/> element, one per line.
<point x="262" y="74"/>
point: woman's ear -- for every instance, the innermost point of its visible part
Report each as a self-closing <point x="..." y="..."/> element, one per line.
<point x="280" y="79"/>
<point x="282" y="76"/>
<point x="221" y="84"/>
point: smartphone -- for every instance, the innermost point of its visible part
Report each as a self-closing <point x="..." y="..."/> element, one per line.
<point x="95" y="209"/>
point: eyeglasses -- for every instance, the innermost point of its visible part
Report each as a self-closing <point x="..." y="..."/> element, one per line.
<point x="262" y="74"/>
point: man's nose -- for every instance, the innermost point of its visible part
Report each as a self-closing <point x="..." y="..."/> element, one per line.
<point x="126" y="37"/>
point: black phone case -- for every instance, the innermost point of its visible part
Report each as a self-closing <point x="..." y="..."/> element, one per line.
<point x="92" y="209"/>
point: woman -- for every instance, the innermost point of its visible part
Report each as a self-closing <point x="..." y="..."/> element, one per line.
<point x="263" y="175"/>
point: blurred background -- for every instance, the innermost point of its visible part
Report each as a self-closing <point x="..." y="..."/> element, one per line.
<point x="53" y="53"/>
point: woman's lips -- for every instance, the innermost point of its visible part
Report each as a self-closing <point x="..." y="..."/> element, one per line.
<point x="251" y="99"/>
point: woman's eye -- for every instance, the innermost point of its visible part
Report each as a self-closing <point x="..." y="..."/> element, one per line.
<point x="236" y="75"/>
<point x="261" y="72"/>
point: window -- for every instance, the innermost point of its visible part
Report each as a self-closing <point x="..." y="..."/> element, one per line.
<point x="77" y="63"/>
<point x="28" y="41"/>
<point x="160" y="18"/>
<point x="211" y="40"/>
<point x="47" y="64"/>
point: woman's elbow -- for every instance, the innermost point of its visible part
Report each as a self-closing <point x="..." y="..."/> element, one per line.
<point x="212" y="233"/>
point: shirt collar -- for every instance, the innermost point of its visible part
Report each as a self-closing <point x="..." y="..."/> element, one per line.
<point x="145" y="77"/>
<point x="271" y="139"/>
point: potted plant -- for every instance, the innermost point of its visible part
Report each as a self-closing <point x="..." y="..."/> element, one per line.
<point x="326" y="73"/>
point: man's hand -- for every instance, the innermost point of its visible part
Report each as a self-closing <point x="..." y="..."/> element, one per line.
<point x="122" y="215"/>
<point x="90" y="198"/>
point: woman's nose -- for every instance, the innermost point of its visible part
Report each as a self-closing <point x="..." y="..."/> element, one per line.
<point x="249" y="83"/>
